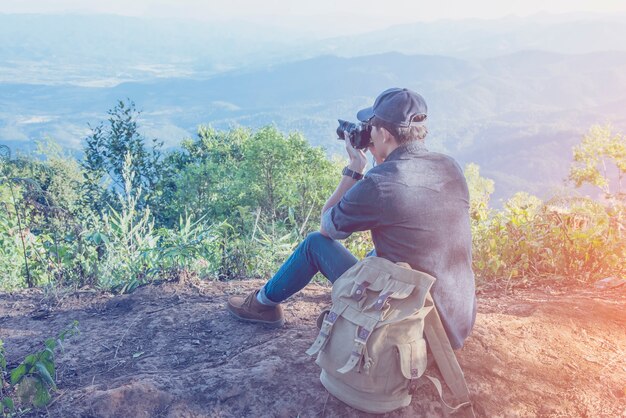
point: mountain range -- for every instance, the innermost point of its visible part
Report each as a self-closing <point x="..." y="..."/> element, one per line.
<point x="493" y="100"/>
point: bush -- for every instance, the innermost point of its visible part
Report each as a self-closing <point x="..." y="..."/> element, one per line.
<point x="569" y="240"/>
<point x="233" y="204"/>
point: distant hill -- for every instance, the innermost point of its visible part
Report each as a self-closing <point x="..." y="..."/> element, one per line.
<point x="108" y="49"/>
<point x="570" y="33"/>
<point x="516" y="113"/>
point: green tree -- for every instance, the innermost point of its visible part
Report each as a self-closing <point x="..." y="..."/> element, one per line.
<point x="267" y="187"/>
<point x="600" y="160"/>
<point x="105" y="153"/>
<point x="285" y="172"/>
<point x="480" y="191"/>
<point x="204" y="177"/>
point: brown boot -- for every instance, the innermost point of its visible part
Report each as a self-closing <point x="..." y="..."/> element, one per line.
<point x="251" y="310"/>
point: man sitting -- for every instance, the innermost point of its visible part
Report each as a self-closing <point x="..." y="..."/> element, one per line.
<point x="414" y="202"/>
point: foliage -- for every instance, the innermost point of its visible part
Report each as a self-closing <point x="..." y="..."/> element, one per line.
<point x="105" y="151"/>
<point x="600" y="160"/>
<point x="7" y="406"/>
<point x="194" y="245"/>
<point x="6" y="403"/>
<point x="33" y="227"/>
<point x="35" y="376"/>
<point x="231" y="204"/>
<point x="128" y="235"/>
<point x="480" y="191"/>
<point x="59" y="175"/>
<point x="11" y="247"/>
<point x="572" y="239"/>
<point x="267" y="189"/>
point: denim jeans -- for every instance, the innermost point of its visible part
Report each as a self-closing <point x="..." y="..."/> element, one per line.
<point x="315" y="253"/>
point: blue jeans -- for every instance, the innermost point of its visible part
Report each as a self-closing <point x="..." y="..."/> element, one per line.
<point x="315" y="253"/>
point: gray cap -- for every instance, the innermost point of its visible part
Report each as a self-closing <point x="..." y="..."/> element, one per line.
<point x="396" y="106"/>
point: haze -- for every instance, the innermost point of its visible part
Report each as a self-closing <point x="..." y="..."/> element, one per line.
<point x="321" y="18"/>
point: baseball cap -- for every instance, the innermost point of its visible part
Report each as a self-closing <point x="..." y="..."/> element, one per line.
<point x="397" y="106"/>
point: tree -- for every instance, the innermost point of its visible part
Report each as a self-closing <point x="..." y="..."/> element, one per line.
<point x="106" y="149"/>
<point x="480" y="191"/>
<point x="600" y="160"/>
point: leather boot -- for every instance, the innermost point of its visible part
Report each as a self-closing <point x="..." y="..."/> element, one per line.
<point x="251" y="310"/>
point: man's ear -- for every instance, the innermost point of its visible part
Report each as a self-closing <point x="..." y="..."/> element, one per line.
<point x="387" y="137"/>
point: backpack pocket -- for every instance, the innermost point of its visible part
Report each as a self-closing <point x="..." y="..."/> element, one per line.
<point x="413" y="358"/>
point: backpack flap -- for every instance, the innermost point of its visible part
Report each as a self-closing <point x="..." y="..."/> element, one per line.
<point x="393" y="289"/>
<point x="370" y="279"/>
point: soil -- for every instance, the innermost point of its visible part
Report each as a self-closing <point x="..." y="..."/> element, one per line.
<point x="171" y="350"/>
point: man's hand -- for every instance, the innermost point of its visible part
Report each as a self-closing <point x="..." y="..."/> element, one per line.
<point x="358" y="160"/>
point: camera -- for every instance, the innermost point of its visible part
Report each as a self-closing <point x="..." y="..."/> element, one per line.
<point x="358" y="134"/>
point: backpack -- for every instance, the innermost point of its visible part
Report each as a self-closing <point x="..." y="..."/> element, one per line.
<point x="371" y="344"/>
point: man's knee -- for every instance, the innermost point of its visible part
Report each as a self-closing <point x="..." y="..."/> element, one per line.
<point x="315" y="239"/>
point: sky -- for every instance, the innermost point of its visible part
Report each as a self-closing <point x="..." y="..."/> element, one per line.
<point x="338" y="16"/>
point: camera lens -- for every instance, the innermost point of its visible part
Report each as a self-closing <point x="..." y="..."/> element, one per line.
<point x="346" y="126"/>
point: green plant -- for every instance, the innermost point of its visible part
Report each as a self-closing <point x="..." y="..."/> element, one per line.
<point x="600" y="160"/>
<point x="273" y="246"/>
<point x="10" y="251"/>
<point x="129" y="236"/>
<point x="106" y="151"/>
<point x="35" y="376"/>
<point x="31" y="205"/>
<point x="6" y="403"/>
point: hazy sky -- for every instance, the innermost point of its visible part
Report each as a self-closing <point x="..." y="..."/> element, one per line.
<point x="356" y="15"/>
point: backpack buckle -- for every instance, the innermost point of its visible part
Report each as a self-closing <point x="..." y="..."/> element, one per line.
<point x="414" y="382"/>
<point x="362" y="335"/>
<point x="331" y="317"/>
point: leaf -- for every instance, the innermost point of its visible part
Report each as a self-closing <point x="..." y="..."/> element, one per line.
<point x="42" y="397"/>
<point x="45" y="375"/>
<point x="136" y="355"/>
<point x="8" y="404"/>
<point x="18" y="373"/>
<point x="50" y="344"/>
<point x="30" y="360"/>
<point x="49" y="363"/>
<point x="47" y="354"/>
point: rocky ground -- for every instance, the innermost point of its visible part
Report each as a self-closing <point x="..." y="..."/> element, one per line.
<point x="171" y="350"/>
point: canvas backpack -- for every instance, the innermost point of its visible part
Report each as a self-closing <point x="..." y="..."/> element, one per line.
<point x="371" y="345"/>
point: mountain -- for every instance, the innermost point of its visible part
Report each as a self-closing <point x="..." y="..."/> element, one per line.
<point x="501" y="93"/>
<point x="108" y="49"/>
<point x="469" y="38"/>
<point x="516" y="115"/>
<point x="104" y="50"/>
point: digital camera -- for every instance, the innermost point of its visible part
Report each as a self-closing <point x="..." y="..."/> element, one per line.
<point x="360" y="135"/>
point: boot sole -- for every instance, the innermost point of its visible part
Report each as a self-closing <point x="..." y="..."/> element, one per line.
<point x="270" y="324"/>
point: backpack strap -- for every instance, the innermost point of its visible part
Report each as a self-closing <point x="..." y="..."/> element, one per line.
<point x="327" y="325"/>
<point x="363" y="332"/>
<point x="446" y="360"/>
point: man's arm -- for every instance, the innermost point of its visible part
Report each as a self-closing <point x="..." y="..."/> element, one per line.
<point x="345" y="184"/>
<point x="358" y="162"/>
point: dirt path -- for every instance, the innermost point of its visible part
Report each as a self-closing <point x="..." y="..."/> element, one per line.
<point x="173" y="351"/>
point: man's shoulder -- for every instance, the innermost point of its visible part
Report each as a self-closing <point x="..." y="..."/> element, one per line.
<point x="426" y="160"/>
<point x="445" y="160"/>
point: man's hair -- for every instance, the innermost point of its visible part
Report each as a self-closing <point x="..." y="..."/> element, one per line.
<point x="401" y="134"/>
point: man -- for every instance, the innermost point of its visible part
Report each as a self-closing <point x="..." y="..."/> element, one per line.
<point x="414" y="202"/>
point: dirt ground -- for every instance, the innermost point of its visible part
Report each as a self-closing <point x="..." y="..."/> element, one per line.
<point x="171" y="350"/>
